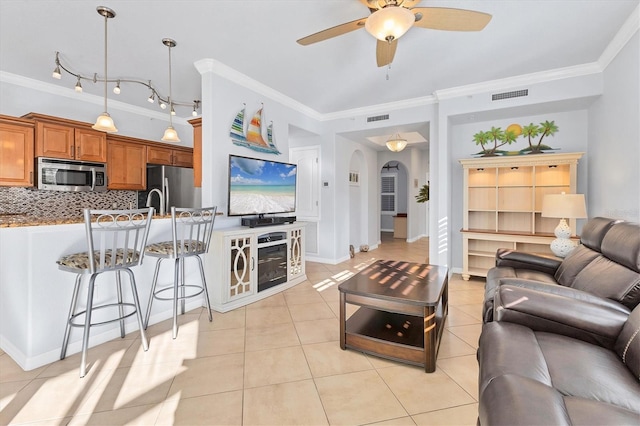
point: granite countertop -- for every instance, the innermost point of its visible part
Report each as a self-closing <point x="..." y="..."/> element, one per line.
<point x="16" y="220"/>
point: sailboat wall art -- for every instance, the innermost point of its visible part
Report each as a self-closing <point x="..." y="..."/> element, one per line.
<point x="252" y="137"/>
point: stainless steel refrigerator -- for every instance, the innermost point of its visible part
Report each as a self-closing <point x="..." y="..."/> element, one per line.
<point x="175" y="184"/>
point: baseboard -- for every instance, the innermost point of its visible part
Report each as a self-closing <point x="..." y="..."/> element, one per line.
<point x="131" y="325"/>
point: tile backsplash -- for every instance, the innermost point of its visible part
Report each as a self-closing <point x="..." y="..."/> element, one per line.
<point x="63" y="205"/>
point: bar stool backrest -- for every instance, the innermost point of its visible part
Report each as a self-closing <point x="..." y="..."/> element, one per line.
<point x="191" y="230"/>
<point x="120" y="232"/>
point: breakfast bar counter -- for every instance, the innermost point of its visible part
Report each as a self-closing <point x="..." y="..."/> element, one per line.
<point x="35" y="295"/>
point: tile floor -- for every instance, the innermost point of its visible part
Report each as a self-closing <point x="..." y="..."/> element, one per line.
<point x="275" y="362"/>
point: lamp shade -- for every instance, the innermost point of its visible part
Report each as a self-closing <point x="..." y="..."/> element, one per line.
<point x="390" y="23"/>
<point x="566" y="206"/>
<point x="104" y="123"/>
<point x="170" y="135"/>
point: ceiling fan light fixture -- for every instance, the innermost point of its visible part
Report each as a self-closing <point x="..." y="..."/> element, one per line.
<point x="396" y="143"/>
<point x="389" y="23"/>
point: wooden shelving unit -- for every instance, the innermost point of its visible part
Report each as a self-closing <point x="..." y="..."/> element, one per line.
<point x="503" y="204"/>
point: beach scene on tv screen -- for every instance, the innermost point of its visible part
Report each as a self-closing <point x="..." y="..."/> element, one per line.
<point x="261" y="186"/>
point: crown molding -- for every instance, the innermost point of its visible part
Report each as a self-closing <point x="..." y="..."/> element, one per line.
<point x="381" y="108"/>
<point x="622" y="37"/>
<point x="209" y="65"/>
<point x="65" y="92"/>
<point x="519" y="81"/>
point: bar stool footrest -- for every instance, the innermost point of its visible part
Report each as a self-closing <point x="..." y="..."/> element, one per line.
<point x="95" y="308"/>
<point x="186" y="286"/>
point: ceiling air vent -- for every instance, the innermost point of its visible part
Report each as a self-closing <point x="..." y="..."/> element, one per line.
<point x="378" y="118"/>
<point x="507" y="95"/>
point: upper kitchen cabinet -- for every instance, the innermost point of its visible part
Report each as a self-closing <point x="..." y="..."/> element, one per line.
<point x="180" y="157"/>
<point x="127" y="163"/>
<point x="61" y="138"/>
<point x="16" y="151"/>
<point x="197" y="151"/>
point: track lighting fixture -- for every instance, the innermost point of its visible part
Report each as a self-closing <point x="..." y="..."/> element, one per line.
<point x="170" y="135"/>
<point x="105" y="118"/>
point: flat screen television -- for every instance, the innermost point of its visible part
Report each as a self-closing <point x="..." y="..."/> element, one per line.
<point x="259" y="187"/>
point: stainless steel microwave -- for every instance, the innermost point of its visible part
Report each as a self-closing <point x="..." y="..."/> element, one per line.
<point x="55" y="174"/>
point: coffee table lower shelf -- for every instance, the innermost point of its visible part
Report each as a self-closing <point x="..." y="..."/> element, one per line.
<point x="398" y="337"/>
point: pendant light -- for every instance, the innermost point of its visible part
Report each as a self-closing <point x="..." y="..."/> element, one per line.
<point x="396" y="143"/>
<point x="104" y="122"/>
<point x="170" y="135"/>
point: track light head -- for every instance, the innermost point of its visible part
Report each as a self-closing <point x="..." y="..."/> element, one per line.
<point x="116" y="89"/>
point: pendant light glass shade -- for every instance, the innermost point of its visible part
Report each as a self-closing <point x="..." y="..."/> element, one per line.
<point x="170" y="135"/>
<point x="396" y="143"/>
<point x="104" y="122"/>
<point x="390" y="23"/>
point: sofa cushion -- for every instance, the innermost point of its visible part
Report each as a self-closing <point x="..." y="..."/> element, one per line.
<point x="628" y="344"/>
<point x="517" y="400"/>
<point x="575" y="262"/>
<point x="622" y="245"/>
<point x="606" y="278"/>
<point x="512" y="356"/>
<point x="594" y="230"/>
<point x="589" y="371"/>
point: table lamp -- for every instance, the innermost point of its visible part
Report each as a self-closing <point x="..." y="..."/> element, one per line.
<point x="563" y="206"/>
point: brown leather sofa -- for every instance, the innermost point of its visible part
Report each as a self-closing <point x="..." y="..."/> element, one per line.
<point x="561" y="339"/>
<point x="604" y="268"/>
<point x="549" y="359"/>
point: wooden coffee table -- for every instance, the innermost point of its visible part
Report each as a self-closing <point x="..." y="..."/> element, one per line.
<point x="401" y="314"/>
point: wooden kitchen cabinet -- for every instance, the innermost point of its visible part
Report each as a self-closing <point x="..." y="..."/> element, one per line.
<point x="170" y="156"/>
<point x="67" y="139"/>
<point x="197" y="151"/>
<point x="16" y="152"/>
<point x="126" y="164"/>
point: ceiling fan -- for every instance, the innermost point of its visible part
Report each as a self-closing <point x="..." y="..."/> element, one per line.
<point x="390" y="19"/>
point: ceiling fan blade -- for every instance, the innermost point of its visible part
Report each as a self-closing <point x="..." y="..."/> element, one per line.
<point x="385" y="51"/>
<point x="448" y="19"/>
<point x="333" y="32"/>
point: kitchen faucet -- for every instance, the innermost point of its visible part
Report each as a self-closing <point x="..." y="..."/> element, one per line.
<point x="161" y="198"/>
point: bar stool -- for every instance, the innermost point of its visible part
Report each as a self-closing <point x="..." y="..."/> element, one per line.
<point x="116" y="241"/>
<point x="191" y="234"/>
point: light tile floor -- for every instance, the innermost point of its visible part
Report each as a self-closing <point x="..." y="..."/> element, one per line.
<point x="275" y="362"/>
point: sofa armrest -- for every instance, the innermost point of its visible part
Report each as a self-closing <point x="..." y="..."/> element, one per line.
<point x="593" y="320"/>
<point x="523" y="260"/>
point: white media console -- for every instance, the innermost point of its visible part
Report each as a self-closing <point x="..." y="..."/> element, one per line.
<point x="245" y="264"/>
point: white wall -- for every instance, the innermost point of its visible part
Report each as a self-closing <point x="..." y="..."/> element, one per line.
<point x="613" y="139"/>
